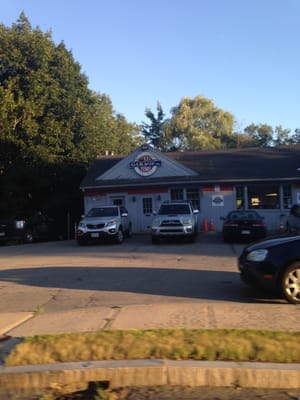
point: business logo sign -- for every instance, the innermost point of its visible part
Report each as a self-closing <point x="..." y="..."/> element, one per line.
<point x="217" y="200"/>
<point x="145" y="164"/>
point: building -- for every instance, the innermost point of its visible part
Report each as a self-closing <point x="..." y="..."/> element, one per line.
<point x="266" y="179"/>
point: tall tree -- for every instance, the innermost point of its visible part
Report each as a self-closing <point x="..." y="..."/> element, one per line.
<point x="153" y="131"/>
<point x="198" y="124"/>
<point x="281" y="136"/>
<point x="47" y="111"/>
<point x="52" y="124"/>
<point x="261" y="135"/>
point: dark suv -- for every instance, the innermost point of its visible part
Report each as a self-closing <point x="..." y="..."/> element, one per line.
<point x="26" y="229"/>
<point x="175" y="219"/>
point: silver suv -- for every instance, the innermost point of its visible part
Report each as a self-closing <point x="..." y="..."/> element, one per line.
<point x="100" y="223"/>
<point x="175" y="219"/>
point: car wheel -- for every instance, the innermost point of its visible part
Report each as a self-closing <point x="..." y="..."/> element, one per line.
<point x="291" y="283"/>
<point x="129" y="231"/>
<point x="155" y="239"/>
<point x="226" y="239"/>
<point x="28" y="237"/>
<point x="191" y="239"/>
<point x="81" y="242"/>
<point x="119" y="236"/>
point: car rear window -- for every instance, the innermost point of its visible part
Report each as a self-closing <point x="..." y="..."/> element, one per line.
<point x="243" y="215"/>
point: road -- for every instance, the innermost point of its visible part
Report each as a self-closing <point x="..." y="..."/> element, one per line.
<point x="57" y="276"/>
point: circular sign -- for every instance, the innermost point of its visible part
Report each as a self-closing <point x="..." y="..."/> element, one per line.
<point x="145" y="164"/>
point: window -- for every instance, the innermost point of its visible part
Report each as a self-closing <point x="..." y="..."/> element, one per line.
<point x="177" y="194"/>
<point x="287" y="196"/>
<point x="118" y="201"/>
<point x="263" y="196"/>
<point x="147" y="205"/>
<point x="240" y="200"/>
<point x="193" y="196"/>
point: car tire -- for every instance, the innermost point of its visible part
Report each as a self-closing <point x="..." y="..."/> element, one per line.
<point x="192" y="238"/>
<point x="226" y="239"/>
<point x="119" y="236"/>
<point x="290" y="283"/>
<point x="81" y="242"/>
<point x="154" y="239"/>
<point x="28" y="237"/>
<point x="129" y="231"/>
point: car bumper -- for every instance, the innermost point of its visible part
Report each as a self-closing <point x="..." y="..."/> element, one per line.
<point x="7" y="236"/>
<point x="244" y="234"/>
<point x="174" y="231"/>
<point x="257" y="273"/>
<point x="96" y="235"/>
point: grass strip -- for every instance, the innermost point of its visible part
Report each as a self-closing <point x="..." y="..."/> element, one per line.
<point x="172" y="344"/>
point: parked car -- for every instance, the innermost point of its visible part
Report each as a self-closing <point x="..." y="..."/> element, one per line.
<point x="26" y="229"/>
<point x="293" y="221"/>
<point x="243" y="225"/>
<point x="107" y="222"/>
<point x="273" y="264"/>
<point x="175" y="219"/>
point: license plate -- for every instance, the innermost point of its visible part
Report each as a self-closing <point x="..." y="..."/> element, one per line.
<point x="95" y="235"/>
<point x="2" y="233"/>
<point x="245" y="232"/>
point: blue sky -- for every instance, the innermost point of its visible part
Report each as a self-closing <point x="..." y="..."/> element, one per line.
<point x="244" y="55"/>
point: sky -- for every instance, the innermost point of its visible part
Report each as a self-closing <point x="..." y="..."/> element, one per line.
<point x="242" y="54"/>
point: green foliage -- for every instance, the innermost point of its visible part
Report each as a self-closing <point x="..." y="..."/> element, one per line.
<point x="154" y="132"/>
<point x="47" y="111"/>
<point x="49" y="119"/>
<point x="197" y="124"/>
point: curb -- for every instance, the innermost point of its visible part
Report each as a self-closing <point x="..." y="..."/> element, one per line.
<point x="67" y="377"/>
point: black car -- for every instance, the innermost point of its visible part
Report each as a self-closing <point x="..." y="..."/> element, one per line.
<point x="26" y="229"/>
<point x="273" y="264"/>
<point x="243" y="225"/>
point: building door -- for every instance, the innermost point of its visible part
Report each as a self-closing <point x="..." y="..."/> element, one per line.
<point x="146" y="212"/>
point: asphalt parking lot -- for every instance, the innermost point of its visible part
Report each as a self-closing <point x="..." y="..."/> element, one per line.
<point x="59" y="286"/>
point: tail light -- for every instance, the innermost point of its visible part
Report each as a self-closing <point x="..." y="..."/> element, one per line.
<point x="230" y="223"/>
<point x="259" y="223"/>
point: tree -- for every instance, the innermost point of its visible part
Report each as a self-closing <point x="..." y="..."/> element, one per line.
<point x="47" y="111"/>
<point x="153" y="132"/>
<point x="52" y="124"/>
<point x="261" y="135"/>
<point x="198" y="124"/>
<point x="296" y="137"/>
<point x="282" y="136"/>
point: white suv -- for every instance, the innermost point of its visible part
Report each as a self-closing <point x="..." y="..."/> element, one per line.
<point x="110" y="222"/>
<point x="175" y="219"/>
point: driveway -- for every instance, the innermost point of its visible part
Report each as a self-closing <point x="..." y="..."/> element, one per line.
<point x="59" y="286"/>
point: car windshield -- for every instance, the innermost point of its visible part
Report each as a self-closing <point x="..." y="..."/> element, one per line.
<point x="166" y="209"/>
<point x="103" y="212"/>
<point x="244" y="215"/>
